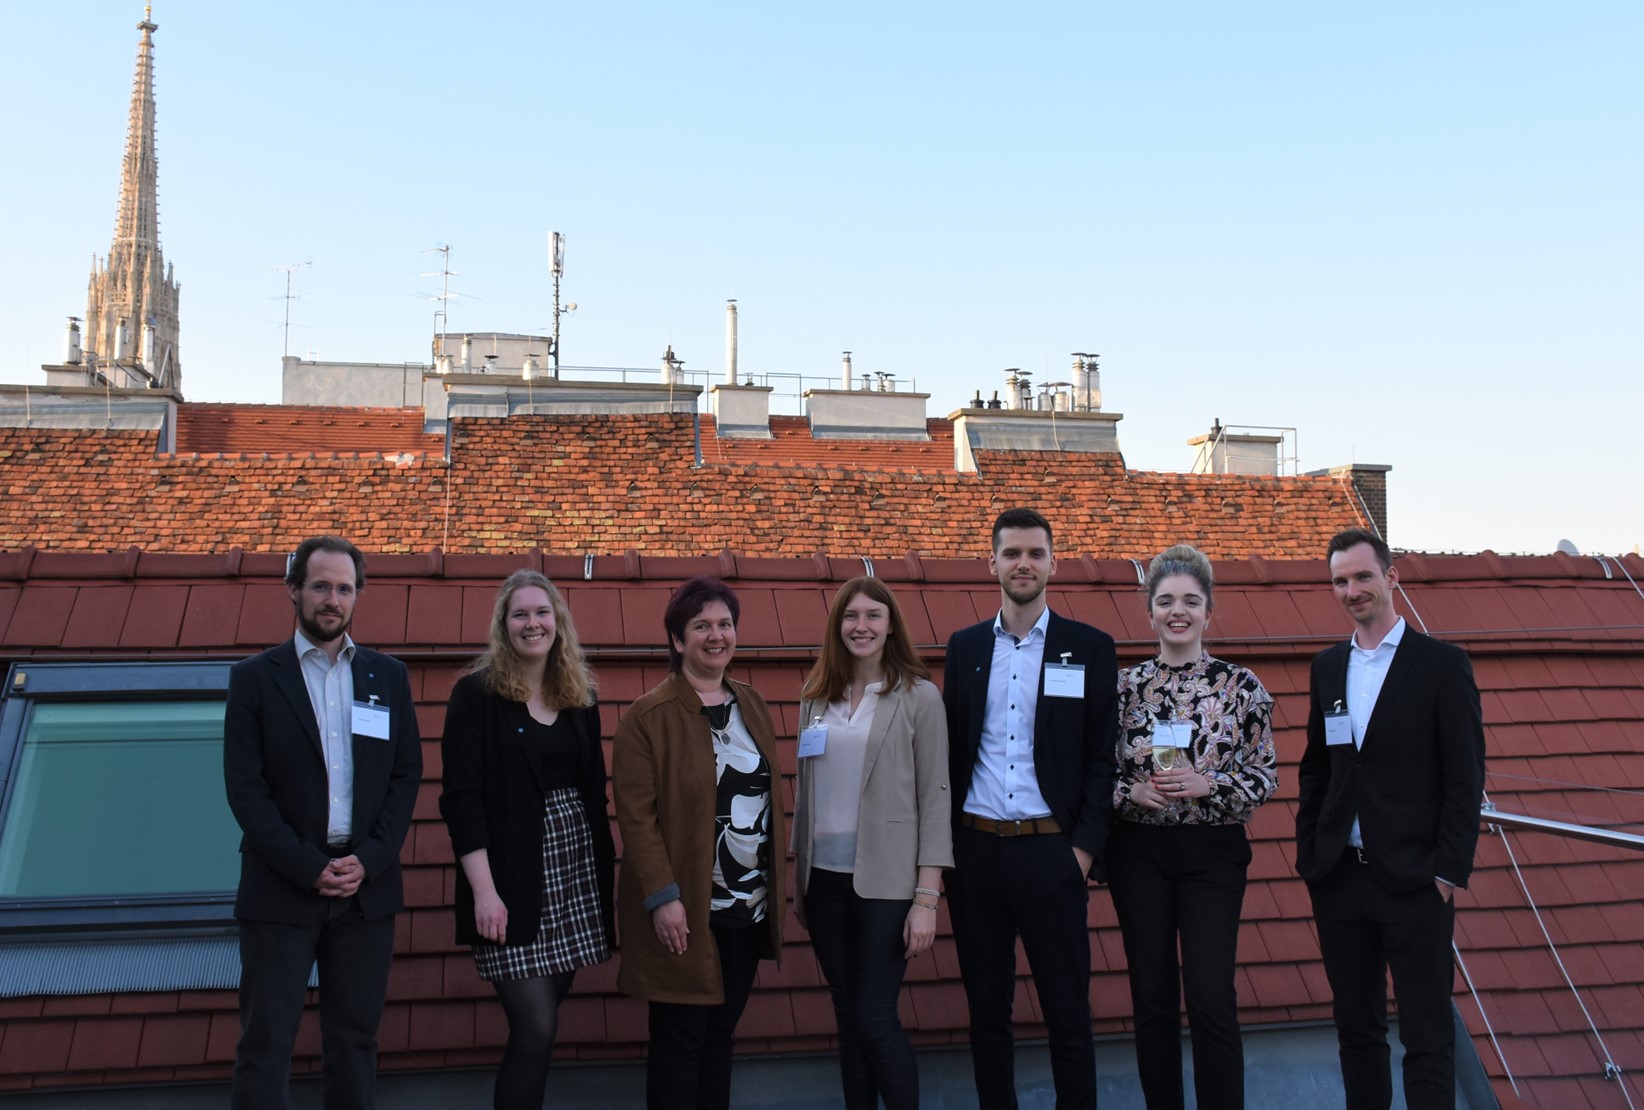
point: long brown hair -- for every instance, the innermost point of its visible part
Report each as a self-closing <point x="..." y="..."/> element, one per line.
<point x="833" y="671"/>
<point x="566" y="681"/>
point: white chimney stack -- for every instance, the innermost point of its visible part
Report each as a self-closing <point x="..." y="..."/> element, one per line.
<point x="846" y="370"/>
<point x="467" y="354"/>
<point x="71" y="343"/>
<point x="148" y="348"/>
<point x="730" y="342"/>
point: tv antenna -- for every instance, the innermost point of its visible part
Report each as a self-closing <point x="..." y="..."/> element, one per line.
<point x="288" y="298"/>
<point x="444" y="297"/>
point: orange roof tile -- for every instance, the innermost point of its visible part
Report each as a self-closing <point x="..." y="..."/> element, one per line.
<point x="207" y="428"/>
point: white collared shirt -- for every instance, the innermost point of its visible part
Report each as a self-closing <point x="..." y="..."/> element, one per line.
<point x="331" y="693"/>
<point x="1366" y="671"/>
<point x="1004" y="786"/>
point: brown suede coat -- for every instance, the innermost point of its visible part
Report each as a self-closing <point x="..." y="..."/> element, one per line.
<point x="663" y="781"/>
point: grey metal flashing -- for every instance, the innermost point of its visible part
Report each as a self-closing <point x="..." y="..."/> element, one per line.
<point x="104" y="965"/>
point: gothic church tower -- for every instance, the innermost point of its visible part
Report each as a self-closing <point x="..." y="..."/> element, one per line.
<point x="131" y="308"/>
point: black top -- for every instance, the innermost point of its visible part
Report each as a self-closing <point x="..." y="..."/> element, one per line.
<point x="554" y="751"/>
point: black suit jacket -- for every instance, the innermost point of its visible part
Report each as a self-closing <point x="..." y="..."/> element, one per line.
<point x="492" y="799"/>
<point x="1416" y="782"/>
<point x="1073" y="738"/>
<point x="274" y="768"/>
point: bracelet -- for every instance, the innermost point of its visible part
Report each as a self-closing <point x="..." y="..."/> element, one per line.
<point x="924" y="905"/>
<point x="927" y="890"/>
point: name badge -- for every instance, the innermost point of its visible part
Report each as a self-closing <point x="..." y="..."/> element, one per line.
<point x="1172" y="734"/>
<point x="371" y="720"/>
<point x="813" y="741"/>
<point x="1064" y="680"/>
<point x="1338" y="727"/>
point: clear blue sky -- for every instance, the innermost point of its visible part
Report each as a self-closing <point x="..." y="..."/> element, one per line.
<point x="1412" y="231"/>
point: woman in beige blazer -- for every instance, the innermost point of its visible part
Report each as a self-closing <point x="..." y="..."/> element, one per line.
<point x="872" y="831"/>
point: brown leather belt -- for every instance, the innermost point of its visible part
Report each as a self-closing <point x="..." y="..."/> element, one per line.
<point x="1037" y="826"/>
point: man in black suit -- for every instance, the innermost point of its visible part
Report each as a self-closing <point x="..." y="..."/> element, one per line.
<point x="1391" y="784"/>
<point x="1032" y="721"/>
<point x="322" y="762"/>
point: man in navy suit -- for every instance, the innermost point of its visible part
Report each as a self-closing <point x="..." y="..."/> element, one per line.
<point x="1391" y="785"/>
<point x="1032" y="722"/>
<point x="322" y="762"/>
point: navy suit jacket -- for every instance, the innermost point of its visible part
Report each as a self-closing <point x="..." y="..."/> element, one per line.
<point x="1415" y="784"/>
<point x="1073" y="738"/>
<point x="274" y="769"/>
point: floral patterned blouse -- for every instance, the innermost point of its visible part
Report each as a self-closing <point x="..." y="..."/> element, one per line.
<point x="1232" y="746"/>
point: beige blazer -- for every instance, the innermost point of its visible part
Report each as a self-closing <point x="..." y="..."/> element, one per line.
<point x="906" y="818"/>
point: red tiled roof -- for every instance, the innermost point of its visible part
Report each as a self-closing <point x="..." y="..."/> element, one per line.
<point x="791" y="444"/>
<point x="609" y="484"/>
<point x="1557" y="645"/>
<point x="216" y="428"/>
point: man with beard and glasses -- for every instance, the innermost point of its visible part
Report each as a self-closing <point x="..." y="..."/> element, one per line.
<point x="322" y="761"/>
<point x="1032" y="705"/>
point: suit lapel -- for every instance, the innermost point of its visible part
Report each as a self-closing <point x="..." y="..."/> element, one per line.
<point x="981" y="673"/>
<point x="1055" y="637"/>
<point x="889" y="704"/>
<point x="1397" y="672"/>
<point x="288" y="676"/>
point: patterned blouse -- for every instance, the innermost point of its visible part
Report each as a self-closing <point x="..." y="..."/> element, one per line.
<point x="1231" y="716"/>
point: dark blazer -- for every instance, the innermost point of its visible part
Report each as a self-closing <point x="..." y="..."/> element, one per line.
<point x="1073" y="738"/>
<point x="492" y="799"/>
<point x="274" y="769"/>
<point x="1416" y="782"/>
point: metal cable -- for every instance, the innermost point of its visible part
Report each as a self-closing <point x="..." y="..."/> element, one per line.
<point x="1488" y="1026"/>
<point x="1622" y="564"/>
<point x="1612" y="1070"/>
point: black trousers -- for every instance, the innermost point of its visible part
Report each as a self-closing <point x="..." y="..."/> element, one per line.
<point x="1187" y="882"/>
<point x="688" y="1064"/>
<point x="1001" y="888"/>
<point x="1365" y="931"/>
<point x="858" y="943"/>
<point x="354" y="956"/>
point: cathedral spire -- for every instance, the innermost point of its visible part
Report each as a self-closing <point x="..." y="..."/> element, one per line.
<point x="134" y="292"/>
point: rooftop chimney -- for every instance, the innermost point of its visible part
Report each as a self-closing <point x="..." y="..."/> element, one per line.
<point x="730" y="341"/>
<point x="71" y="343"/>
<point x="846" y="371"/>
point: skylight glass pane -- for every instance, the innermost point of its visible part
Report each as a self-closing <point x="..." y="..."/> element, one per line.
<point x="120" y="798"/>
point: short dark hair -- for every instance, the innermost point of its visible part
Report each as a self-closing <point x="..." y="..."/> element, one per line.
<point x="1352" y="537"/>
<point x="1020" y="518"/>
<point x="693" y="596"/>
<point x="296" y="567"/>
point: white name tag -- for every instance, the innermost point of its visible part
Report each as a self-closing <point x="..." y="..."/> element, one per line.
<point x="1338" y="729"/>
<point x="813" y="741"/>
<point x="1064" y="680"/>
<point x="371" y="720"/>
<point x="1172" y="734"/>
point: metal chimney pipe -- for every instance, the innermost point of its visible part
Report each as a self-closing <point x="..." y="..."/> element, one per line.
<point x="71" y="343"/>
<point x="846" y="370"/>
<point x="467" y="354"/>
<point x="148" y="347"/>
<point x="730" y="341"/>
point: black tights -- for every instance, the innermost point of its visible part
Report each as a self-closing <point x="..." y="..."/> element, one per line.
<point x="532" y="1008"/>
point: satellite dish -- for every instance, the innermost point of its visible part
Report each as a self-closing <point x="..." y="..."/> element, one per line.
<point x="1568" y="548"/>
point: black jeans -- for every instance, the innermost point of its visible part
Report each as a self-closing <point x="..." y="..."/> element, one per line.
<point x="858" y="943"/>
<point x="1366" y="931"/>
<point x="688" y="1065"/>
<point x="1003" y="887"/>
<point x="1182" y="881"/>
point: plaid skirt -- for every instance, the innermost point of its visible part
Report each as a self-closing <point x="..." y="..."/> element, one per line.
<point x="570" y="934"/>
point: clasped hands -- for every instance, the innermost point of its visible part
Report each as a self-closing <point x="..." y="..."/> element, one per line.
<point x="1165" y="787"/>
<point x="341" y="878"/>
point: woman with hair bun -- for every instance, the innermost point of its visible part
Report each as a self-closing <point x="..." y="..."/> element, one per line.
<point x="1195" y="761"/>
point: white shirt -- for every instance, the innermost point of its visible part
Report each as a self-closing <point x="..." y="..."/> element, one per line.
<point x="836" y="789"/>
<point x="1366" y="671"/>
<point x="1004" y="785"/>
<point x="331" y="693"/>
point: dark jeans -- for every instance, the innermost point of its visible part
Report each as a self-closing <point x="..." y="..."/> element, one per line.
<point x="353" y="956"/>
<point x="858" y="943"/>
<point x="1182" y="881"/>
<point x="1365" y="931"/>
<point x="688" y="1065"/>
<point x="1003" y="887"/>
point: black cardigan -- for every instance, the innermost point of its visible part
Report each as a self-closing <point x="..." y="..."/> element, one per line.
<point x="492" y="799"/>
